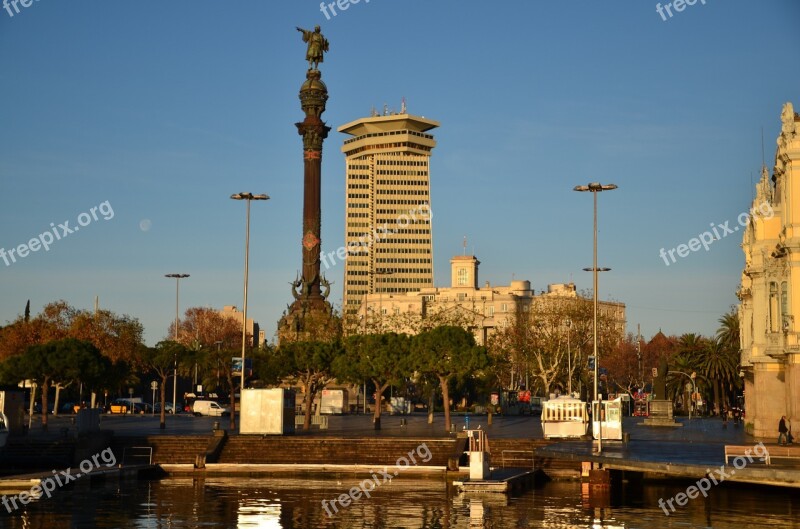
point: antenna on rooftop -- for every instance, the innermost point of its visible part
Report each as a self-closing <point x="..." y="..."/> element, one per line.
<point x="465" y="245"/>
<point x="403" y="106"/>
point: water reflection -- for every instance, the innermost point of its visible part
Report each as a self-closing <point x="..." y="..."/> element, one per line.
<point x="403" y="503"/>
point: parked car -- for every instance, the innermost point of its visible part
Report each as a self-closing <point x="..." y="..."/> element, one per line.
<point x="210" y="408"/>
<point x="129" y="406"/>
<point x="168" y="407"/>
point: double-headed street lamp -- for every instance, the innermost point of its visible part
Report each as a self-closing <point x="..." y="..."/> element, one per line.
<point x="177" y="278"/>
<point x="594" y="188"/>
<point x="247" y="197"/>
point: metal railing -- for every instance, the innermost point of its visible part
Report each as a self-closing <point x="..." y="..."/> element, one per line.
<point x="136" y="455"/>
<point x="517" y="458"/>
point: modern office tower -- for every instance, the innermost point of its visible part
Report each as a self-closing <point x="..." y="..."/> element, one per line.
<point x="388" y="208"/>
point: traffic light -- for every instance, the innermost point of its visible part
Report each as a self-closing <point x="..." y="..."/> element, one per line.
<point x="591" y="363"/>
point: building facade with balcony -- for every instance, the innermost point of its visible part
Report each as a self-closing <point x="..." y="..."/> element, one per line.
<point x="770" y="290"/>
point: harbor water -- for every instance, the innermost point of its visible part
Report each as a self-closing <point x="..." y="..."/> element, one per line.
<point x="295" y="503"/>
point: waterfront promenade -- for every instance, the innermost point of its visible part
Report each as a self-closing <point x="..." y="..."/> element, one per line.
<point x="685" y="452"/>
<point x="698" y="430"/>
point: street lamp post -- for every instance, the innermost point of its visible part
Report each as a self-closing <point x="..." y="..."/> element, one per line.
<point x="247" y="197"/>
<point x="177" y="278"/>
<point x="694" y="388"/>
<point x="594" y="188"/>
<point x="569" y="360"/>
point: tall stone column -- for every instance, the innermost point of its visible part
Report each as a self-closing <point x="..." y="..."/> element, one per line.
<point x="310" y="316"/>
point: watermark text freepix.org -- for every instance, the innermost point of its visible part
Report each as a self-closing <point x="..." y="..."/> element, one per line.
<point x="48" y="485"/>
<point x="718" y="231"/>
<point x="677" y="5"/>
<point x="343" y="5"/>
<point x="421" y="213"/>
<point x="378" y="478"/>
<point x="704" y="485"/>
<point x="56" y="233"/>
<point x="8" y="4"/>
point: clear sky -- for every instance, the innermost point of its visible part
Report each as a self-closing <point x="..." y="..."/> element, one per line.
<point x="160" y="111"/>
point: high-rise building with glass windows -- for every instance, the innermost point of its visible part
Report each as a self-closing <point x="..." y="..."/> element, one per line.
<point x="388" y="208"/>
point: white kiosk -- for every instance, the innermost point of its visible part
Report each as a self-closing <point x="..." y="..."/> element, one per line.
<point x="564" y="416"/>
<point x="611" y="418"/>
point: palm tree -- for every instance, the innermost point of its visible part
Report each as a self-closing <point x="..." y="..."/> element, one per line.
<point x="728" y="332"/>
<point x="728" y="336"/>
<point x="718" y="365"/>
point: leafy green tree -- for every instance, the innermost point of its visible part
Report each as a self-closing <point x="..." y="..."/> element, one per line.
<point x="309" y="364"/>
<point x="447" y="352"/>
<point x="61" y="360"/>
<point x="381" y="358"/>
<point x="160" y="360"/>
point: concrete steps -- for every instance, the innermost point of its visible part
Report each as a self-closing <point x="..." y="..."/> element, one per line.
<point x="41" y="454"/>
<point x="336" y="450"/>
<point x="520" y="453"/>
<point x="178" y="449"/>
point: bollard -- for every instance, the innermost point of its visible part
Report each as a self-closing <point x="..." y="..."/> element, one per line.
<point x="216" y="426"/>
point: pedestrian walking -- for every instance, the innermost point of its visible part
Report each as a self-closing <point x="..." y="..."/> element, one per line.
<point x="782" y="431"/>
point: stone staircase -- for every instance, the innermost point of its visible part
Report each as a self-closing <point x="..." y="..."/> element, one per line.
<point x="336" y="450"/>
<point x="36" y="454"/>
<point x="520" y="453"/>
<point x="175" y="449"/>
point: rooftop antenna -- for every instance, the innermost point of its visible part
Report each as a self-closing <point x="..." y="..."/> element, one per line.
<point x="373" y="113"/>
<point x="403" y="106"/>
<point x="385" y="109"/>
<point x="465" y="245"/>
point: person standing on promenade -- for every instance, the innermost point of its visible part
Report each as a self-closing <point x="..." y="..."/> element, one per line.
<point x="782" y="430"/>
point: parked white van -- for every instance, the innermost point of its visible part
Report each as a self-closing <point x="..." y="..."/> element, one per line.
<point x="210" y="408"/>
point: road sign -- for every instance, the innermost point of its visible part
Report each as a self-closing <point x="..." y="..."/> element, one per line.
<point x="154" y="385"/>
<point x="655" y="371"/>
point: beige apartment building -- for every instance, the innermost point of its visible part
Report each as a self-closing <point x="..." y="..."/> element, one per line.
<point x="388" y="239"/>
<point x="770" y="290"/>
<point x="257" y="336"/>
<point x="482" y="309"/>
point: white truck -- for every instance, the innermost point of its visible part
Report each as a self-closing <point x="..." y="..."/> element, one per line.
<point x="210" y="408"/>
<point x="3" y="429"/>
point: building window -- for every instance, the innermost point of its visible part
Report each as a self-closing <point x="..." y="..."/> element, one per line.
<point x="773" y="306"/>
<point x="785" y="304"/>
<point x="504" y="307"/>
<point x="462" y="296"/>
<point x="490" y="311"/>
<point x="462" y="276"/>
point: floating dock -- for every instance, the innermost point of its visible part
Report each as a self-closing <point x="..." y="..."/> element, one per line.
<point x="502" y="480"/>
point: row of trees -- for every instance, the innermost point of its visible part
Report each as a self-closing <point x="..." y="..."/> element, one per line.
<point x="544" y="348"/>
<point x="443" y="354"/>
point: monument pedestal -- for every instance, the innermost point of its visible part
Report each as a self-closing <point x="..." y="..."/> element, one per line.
<point x="660" y="414"/>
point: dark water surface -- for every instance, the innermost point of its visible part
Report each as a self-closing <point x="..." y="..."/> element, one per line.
<point x="286" y="503"/>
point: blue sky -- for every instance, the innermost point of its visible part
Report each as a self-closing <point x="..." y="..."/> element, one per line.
<point x="164" y="109"/>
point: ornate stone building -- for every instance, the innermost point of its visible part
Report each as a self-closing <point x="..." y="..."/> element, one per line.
<point x="482" y="309"/>
<point x="770" y="290"/>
